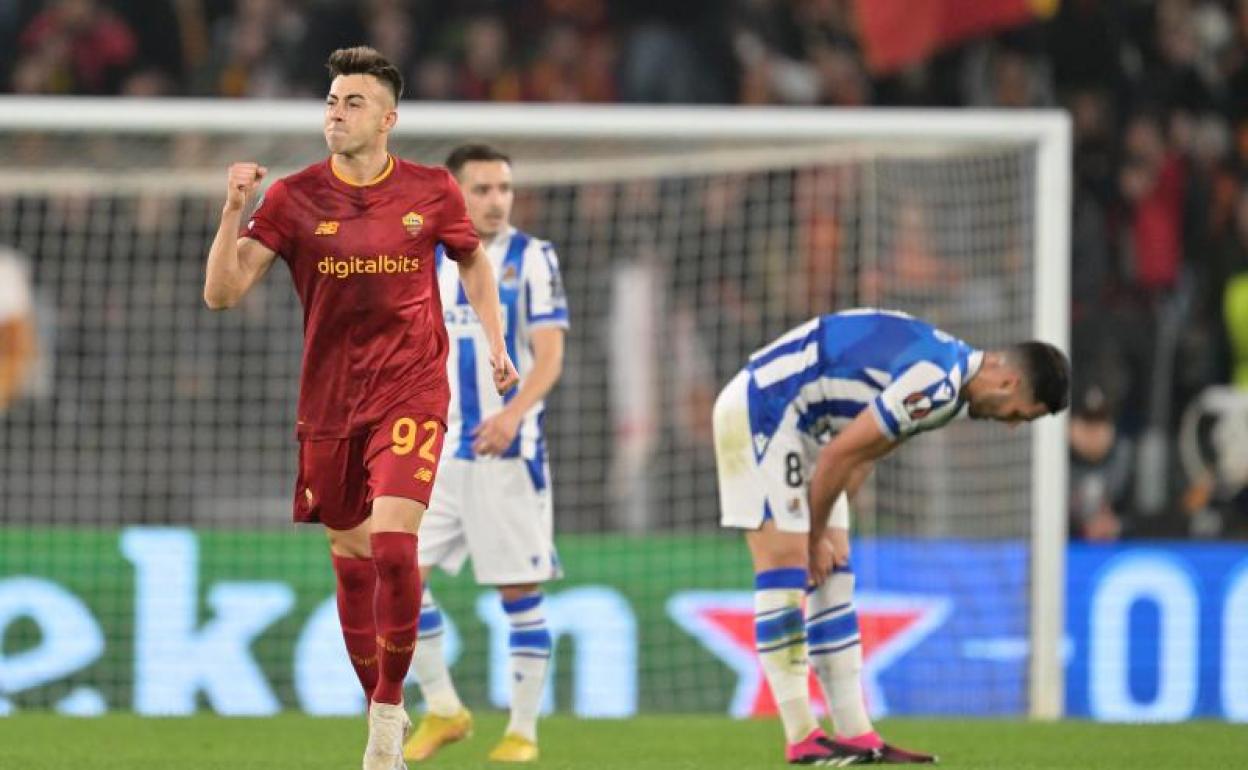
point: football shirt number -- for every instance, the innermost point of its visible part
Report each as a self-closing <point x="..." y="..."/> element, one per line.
<point x="792" y="470"/>
<point x="406" y="433"/>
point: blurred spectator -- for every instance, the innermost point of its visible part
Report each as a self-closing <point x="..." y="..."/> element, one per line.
<point x="74" y="47"/>
<point x="998" y="75"/>
<point x="1100" y="468"/>
<point x="569" y="68"/>
<point x="17" y="327"/>
<point x="488" y="71"/>
<point x="1236" y="309"/>
<point x="1152" y="184"/>
<point x="256" y="50"/>
<point x="1227" y="297"/>
<point x="677" y="52"/>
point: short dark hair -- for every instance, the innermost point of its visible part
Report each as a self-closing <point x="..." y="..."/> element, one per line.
<point x="467" y="153"/>
<point x="1047" y="370"/>
<point x="363" y="60"/>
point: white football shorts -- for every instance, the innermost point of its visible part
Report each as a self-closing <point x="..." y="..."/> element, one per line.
<point x="775" y="485"/>
<point x="490" y="509"/>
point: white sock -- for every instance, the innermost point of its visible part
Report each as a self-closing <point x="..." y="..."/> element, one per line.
<point x="780" y="640"/>
<point x="430" y="664"/>
<point x="530" y="646"/>
<point x="836" y="652"/>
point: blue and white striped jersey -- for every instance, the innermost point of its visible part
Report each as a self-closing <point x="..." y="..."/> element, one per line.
<point x="819" y="376"/>
<point x="531" y="295"/>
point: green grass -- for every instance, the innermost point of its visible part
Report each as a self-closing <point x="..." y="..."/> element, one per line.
<point x="121" y="742"/>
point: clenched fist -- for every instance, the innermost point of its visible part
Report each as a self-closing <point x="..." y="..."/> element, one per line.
<point x="243" y="178"/>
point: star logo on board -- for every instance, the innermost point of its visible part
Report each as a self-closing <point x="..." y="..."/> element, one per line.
<point x="891" y="625"/>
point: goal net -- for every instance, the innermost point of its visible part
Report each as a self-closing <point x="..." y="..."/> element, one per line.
<point x="146" y="556"/>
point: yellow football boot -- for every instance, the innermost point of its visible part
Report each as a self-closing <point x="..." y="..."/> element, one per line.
<point x="514" y="748"/>
<point x="435" y="732"/>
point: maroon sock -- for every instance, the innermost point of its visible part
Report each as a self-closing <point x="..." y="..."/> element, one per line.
<point x="357" y="580"/>
<point x="397" y="609"/>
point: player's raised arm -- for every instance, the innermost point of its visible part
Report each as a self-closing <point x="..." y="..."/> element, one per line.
<point x="477" y="276"/>
<point x="235" y="264"/>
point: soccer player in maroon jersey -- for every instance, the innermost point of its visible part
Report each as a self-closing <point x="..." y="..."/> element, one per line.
<point x="358" y="232"/>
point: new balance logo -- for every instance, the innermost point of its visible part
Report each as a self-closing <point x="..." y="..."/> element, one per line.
<point x="326" y="227"/>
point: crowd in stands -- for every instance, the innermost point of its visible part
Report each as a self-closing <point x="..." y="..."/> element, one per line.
<point x="1157" y="91"/>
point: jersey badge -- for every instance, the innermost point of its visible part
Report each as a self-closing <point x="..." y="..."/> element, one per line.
<point x="412" y="222"/>
<point x="509" y="277"/>
<point x="326" y="227"/>
<point x="917" y="405"/>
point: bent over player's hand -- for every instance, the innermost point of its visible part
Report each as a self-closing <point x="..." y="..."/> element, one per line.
<point x="822" y="560"/>
<point x="243" y="178"/>
<point x="505" y="374"/>
<point x="838" y="538"/>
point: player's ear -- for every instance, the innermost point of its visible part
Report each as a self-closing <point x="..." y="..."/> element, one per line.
<point x="389" y="120"/>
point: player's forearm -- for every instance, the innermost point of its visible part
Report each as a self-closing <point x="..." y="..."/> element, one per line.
<point x="482" y="291"/>
<point x="831" y="477"/>
<point x="547" y="368"/>
<point x="224" y="281"/>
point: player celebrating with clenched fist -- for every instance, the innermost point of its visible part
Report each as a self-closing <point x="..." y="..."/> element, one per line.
<point x="358" y="232"/>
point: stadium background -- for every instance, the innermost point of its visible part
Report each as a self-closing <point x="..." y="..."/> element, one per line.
<point x="171" y="477"/>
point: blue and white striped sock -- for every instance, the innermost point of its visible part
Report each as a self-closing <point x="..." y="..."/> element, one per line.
<point x="530" y="646"/>
<point x="780" y="640"/>
<point x="836" y="651"/>
<point x="429" y="662"/>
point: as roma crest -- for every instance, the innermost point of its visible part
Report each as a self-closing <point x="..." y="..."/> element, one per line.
<point x="412" y="222"/>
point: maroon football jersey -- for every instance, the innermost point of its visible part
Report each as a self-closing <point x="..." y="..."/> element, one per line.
<point x="362" y="259"/>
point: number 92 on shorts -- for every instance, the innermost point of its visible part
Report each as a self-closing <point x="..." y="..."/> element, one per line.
<point x="339" y="478"/>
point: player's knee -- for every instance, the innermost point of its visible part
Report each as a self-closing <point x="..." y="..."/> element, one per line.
<point x="356" y="581"/>
<point x="394" y="561"/>
<point x="350" y="544"/>
<point x="773" y="549"/>
<point x="508" y="594"/>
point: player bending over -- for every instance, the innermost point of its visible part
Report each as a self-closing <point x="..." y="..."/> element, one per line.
<point x="798" y="428"/>
<point x="358" y="232"/>
<point x="492" y="501"/>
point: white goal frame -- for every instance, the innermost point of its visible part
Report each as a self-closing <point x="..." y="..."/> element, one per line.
<point x="1047" y="132"/>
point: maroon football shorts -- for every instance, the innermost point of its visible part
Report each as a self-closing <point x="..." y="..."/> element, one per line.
<point x="338" y="478"/>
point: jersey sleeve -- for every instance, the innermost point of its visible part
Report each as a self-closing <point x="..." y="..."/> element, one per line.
<point x="546" y="302"/>
<point x="921" y="398"/>
<point x="457" y="233"/>
<point x="268" y="224"/>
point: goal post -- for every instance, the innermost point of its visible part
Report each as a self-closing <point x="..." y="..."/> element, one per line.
<point x="688" y="236"/>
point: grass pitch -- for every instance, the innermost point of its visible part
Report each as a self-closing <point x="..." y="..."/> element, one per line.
<point x="676" y="742"/>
